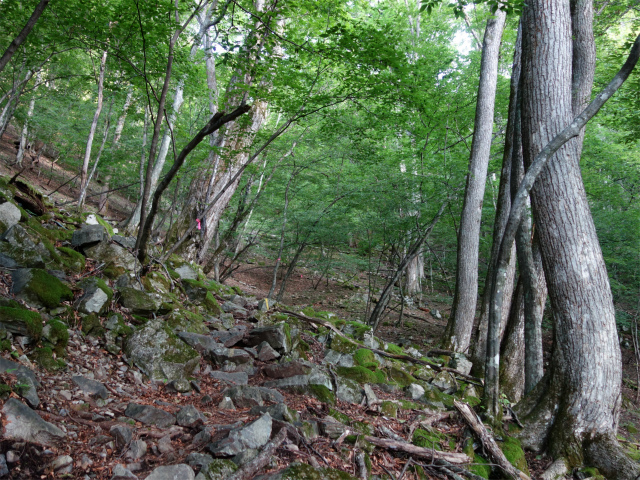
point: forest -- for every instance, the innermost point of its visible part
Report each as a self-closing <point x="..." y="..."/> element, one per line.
<point x="483" y="154"/>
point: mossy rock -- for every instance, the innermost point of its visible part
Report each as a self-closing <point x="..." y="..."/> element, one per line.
<point x="212" y="305"/>
<point x="389" y="409"/>
<point x="430" y="439"/>
<point x="512" y="449"/>
<point x="342" y="345"/>
<point x="72" y="261"/>
<point x="339" y="416"/>
<point x="219" y="469"/>
<point x="309" y="312"/>
<point x="400" y="377"/>
<point x="91" y="326"/>
<point x="479" y="465"/>
<point x="156" y="282"/>
<point x="44" y="357"/>
<point x="5" y="391"/>
<point x="36" y="286"/>
<point x="361" y="375"/>
<point x="105" y="224"/>
<point x="357" y="330"/>
<point x="365" y="358"/>
<point x="393" y="349"/>
<point x="322" y="393"/>
<point x="57" y="334"/>
<point x="185" y="321"/>
<point x="303" y="471"/>
<point x="21" y="322"/>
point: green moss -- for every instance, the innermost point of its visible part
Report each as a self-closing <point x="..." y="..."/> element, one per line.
<point x="409" y="405"/>
<point x="219" y="469"/>
<point x="31" y="320"/>
<point x="400" y="377"/>
<point x="44" y="357"/>
<point x="394" y="349"/>
<point x="5" y="345"/>
<point x="472" y="401"/>
<point x="111" y="271"/>
<point x="323" y="394"/>
<point x="365" y="358"/>
<point x="631" y="428"/>
<point x="303" y="346"/>
<point x="480" y="466"/>
<point x="342" y="345"/>
<point x="429" y="439"/>
<point x="302" y="471"/>
<point x="512" y="449"/>
<point x="309" y="312"/>
<point x="338" y="415"/>
<point x="5" y="391"/>
<point x="362" y="375"/>
<point x="359" y="329"/>
<point x="102" y="285"/>
<point x="389" y="409"/>
<point x="48" y="289"/>
<point x="59" y="333"/>
<point x="91" y="326"/>
<point x="72" y="261"/>
<point x="106" y="225"/>
<point x="211" y="304"/>
<point x="6" y="302"/>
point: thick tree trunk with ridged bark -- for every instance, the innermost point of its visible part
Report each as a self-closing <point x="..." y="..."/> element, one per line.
<point x="459" y="328"/>
<point x="574" y="411"/>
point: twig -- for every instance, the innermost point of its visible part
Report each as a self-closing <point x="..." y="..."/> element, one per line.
<point x="428" y="453"/>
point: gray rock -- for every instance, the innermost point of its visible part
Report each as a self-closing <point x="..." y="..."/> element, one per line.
<point x="150" y="415"/>
<point x="274" y="335"/>
<point x="287" y="369"/>
<point x="266" y="353"/>
<point x="263" y="305"/>
<point x="89" y="235"/>
<point x="186" y="273"/>
<point x="436" y="314"/>
<point x="370" y="395"/>
<point x="231" y="307"/>
<point x="4" y="469"/>
<point x="159" y="353"/>
<point x="61" y="462"/>
<point x="195" y="292"/>
<point x="95" y="298"/>
<point x="201" y="439"/>
<point x="235" y="378"/>
<point x="445" y="382"/>
<point x="253" y="435"/>
<point x="415" y="391"/>
<point x="228" y="338"/>
<point x="137" y="449"/>
<point x="164" y="445"/>
<point x="189" y="416"/>
<point x="214" y="351"/>
<point x="279" y="411"/>
<point x="19" y="248"/>
<point x="26" y="379"/>
<point x="461" y="363"/>
<point x="349" y="391"/>
<point x="7" y="262"/>
<point x="92" y="387"/>
<point x="140" y="302"/>
<point x="121" y="473"/>
<point x="9" y="215"/>
<point x="218" y="469"/>
<point x="23" y="424"/>
<point x="249" y="396"/>
<point x="113" y="255"/>
<point x="315" y="377"/>
<point x="85" y="462"/>
<point x="226" y="404"/>
<point x="198" y="460"/>
<point x="180" y="385"/>
<point x="126" y="242"/>
<point x="122" y="434"/>
<point x="245" y="456"/>
<point x="181" y="471"/>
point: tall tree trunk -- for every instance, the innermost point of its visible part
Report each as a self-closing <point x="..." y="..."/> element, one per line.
<point x="479" y="347"/>
<point x="25" y="128"/>
<point x="415" y="274"/>
<point x="512" y="347"/>
<point x="12" y="103"/>
<point x="92" y="130"/>
<point x="460" y="325"/>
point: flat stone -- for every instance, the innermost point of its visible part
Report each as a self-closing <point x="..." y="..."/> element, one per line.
<point x="199" y="460"/>
<point x="164" y="445"/>
<point x="92" y="387"/>
<point x="287" y="369"/>
<point x="235" y="378"/>
<point x="150" y="415"/>
<point x="216" y="352"/>
<point x="89" y="235"/>
<point x="113" y="255"/>
<point x="228" y="338"/>
<point x="279" y="411"/>
<point x="9" y="215"/>
<point x="349" y="391"/>
<point x="181" y="471"/>
<point x="23" y="424"/>
<point x="249" y="396"/>
<point x="274" y="335"/>
<point x="122" y="434"/>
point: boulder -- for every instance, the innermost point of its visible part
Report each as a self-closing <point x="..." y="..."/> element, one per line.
<point x="445" y="382"/>
<point x="218" y="469"/>
<point x="9" y="216"/>
<point x="92" y="387"/>
<point x="195" y="291"/>
<point x="181" y="471"/>
<point x="185" y="272"/>
<point x="150" y="415"/>
<point x="20" y="321"/>
<point x="216" y="352"/>
<point x="287" y="369"/>
<point x="234" y="378"/>
<point x="139" y="301"/>
<point x="96" y="297"/>
<point x="349" y="391"/>
<point x="122" y="435"/>
<point x="253" y="435"/>
<point x="189" y="416"/>
<point x="117" y="260"/>
<point x="17" y="245"/>
<point x="137" y="449"/>
<point x="88" y="236"/>
<point x="461" y="363"/>
<point x="278" y="336"/>
<point x="26" y="379"/>
<point x="121" y="473"/>
<point x="159" y="353"/>
<point x="248" y="396"/>
<point x="23" y="424"/>
<point x="38" y="288"/>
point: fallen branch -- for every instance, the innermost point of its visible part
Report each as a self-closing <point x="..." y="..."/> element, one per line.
<point x="254" y="466"/>
<point x="428" y="453"/>
<point x="489" y="444"/>
<point x="382" y="353"/>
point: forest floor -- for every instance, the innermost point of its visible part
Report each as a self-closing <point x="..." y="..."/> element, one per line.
<point x="421" y="323"/>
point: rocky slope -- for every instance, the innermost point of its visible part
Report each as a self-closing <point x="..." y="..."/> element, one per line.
<point x="108" y="374"/>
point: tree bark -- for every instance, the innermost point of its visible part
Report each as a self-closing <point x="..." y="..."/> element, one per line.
<point x="25" y="128"/>
<point x="24" y="33"/>
<point x="460" y="325"/>
<point x="92" y="129"/>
